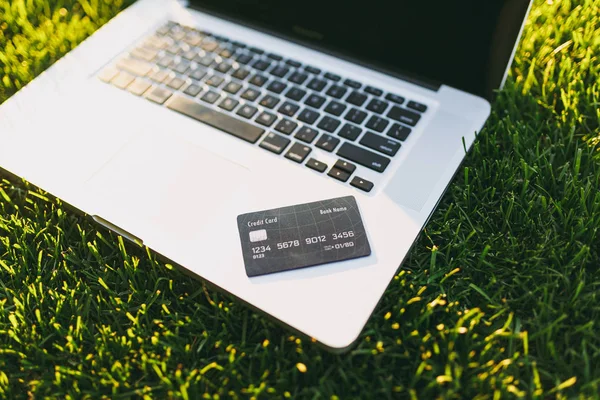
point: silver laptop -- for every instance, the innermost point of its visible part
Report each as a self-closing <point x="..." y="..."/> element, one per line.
<point x="177" y="117"/>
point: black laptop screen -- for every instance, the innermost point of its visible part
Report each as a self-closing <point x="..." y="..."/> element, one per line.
<point x="465" y="44"/>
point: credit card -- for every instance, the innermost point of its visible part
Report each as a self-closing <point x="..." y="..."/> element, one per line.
<point x="301" y="236"/>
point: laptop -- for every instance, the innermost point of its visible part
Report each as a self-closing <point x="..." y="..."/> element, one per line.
<point x="179" y="125"/>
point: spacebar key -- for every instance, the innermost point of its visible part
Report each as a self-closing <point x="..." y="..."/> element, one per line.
<point x="224" y="122"/>
<point x="363" y="157"/>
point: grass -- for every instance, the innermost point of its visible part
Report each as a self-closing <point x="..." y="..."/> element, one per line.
<point x="499" y="298"/>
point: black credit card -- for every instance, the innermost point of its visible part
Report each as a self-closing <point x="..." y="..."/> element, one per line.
<point x="303" y="235"/>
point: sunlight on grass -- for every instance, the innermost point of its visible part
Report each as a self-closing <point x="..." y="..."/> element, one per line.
<point x="498" y="298"/>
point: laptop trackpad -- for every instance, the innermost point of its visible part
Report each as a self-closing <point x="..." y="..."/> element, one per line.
<point x="160" y="187"/>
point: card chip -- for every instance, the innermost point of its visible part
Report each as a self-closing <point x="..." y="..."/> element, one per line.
<point x="258" y="236"/>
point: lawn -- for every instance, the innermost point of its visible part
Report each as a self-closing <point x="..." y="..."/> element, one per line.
<point x="499" y="298"/>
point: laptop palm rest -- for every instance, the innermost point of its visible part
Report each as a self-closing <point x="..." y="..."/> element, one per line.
<point x="161" y="189"/>
<point x="431" y="158"/>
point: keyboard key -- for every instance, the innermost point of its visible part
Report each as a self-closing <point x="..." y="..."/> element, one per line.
<point x="280" y="71"/>
<point x="314" y="101"/>
<point x="198" y="74"/>
<point x="229" y="104"/>
<point x="180" y="67"/>
<point x="316" y="165"/>
<point x="355" y="115"/>
<point x="234" y="49"/>
<point x="163" y="30"/>
<point x="177" y="35"/>
<point x="275" y="143"/>
<point x="295" y="94"/>
<point x="306" y="134"/>
<point x="312" y="70"/>
<point x="138" y="87"/>
<point x="193" y="90"/>
<point x="350" y="132"/>
<point x="269" y="101"/>
<point x="176" y="32"/>
<point x="363" y="157"/>
<point x="386" y="146"/>
<point x="345" y="166"/>
<point x="256" y="50"/>
<point x="373" y="91"/>
<point x="214" y="80"/>
<point x="395" y="98"/>
<point x="399" y="132"/>
<point x="333" y="77"/>
<point x="193" y="39"/>
<point x="244" y="58"/>
<point x="159" y="76"/>
<point x="250" y="94"/>
<point x="293" y="63"/>
<point x="357" y="98"/>
<point x="238" y="44"/>
<point x="298" y="152"/>
<point x="247" y="111"/>
<point x="223" y="67"/>
<point x="258" y="80"/>
<point x="216" y="119"/>
<point x="174" y="49"/>
<point x="157" y="42"/>
<point x="241" y="73"/>
<point x="309" y="116"/>
<point x="206" y="60"/>
<point x="266" y="118"/>
<point x="176" y="83"/>
<point x="335" y="108"/>
<point x="261" y="65"/>
<point x="165" y="61"/>
<point x="329" y="124"/>
<point x="417" y="106"/>
<point x="403" y="115"/>
<point x="145" y="53"/>
<point x="352" y="84"/>
<point x="233" y="87"/>
<point x="361" y="184"/>
<point x="316" y="84"/>
<point x="289" y="109"/>
<point x="134" y="66"/>
<point x="226" y="53"/>
<point x="276" y="87"/>
<point x="286" y="126"/>
<point x="274" y="56"/>
<point x="327" y="142"/>
<point x="122" y="80"/>
<point x="377" y="106"/>
<point x="377" y="123"/>
<point x="210" y="97"/>
<point x="338" y="174"/>
<point x="209" y="45"/>
<point x="298" y="77"/>
<point x="337" y="91"/>
<point x="220" y="38"/>
<point x="108" y="73"/>
<point x="190" y="54"/>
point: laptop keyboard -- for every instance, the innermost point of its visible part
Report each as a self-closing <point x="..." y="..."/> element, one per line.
<point x="283" y="105"/>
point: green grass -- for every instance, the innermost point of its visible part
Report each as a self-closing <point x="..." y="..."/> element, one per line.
<point x="499" y="298"/>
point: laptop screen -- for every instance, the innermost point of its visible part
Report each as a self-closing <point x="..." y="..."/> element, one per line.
<point x="465" y="44"/>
